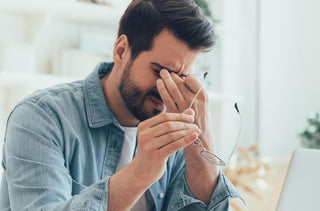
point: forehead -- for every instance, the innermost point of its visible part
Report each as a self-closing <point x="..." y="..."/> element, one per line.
<point x="170" y="52"/>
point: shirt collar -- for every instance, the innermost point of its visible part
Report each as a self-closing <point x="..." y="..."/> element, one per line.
<point x="98" y="112"/>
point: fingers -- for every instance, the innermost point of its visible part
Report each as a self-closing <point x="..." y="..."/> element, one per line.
<point x="168" y="138"/>
<point x="193" y="83"/>
<point x="166" y="117"/>
<point x="171" y="86"/>
<point x="169" y="127"/>
<point x="151" y="133"/>
<point x="177" y="145"/>
<point x="170" y="92"/>
<point x="194" y="86"/>
<point x="178" y="93"/>
<point x="181" y="84"/>
<point x="170" y="131"/>
<point x="165" y="128"/>
<point x="189" y="111"/>
<point x="165" y="96"/>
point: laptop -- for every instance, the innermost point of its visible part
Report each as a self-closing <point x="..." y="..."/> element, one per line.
<point x="301" y="189"/>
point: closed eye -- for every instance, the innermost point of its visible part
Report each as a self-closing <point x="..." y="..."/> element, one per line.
<point x="156" y="72"/>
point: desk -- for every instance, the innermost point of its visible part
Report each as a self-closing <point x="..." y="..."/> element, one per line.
<point x="274" y="179"/>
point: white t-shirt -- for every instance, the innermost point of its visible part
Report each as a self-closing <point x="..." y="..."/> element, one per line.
<point x="126" y="156"/>
<point x="129" y="145"/>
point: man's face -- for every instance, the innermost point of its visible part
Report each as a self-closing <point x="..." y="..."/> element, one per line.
<point x="138" y="81"/>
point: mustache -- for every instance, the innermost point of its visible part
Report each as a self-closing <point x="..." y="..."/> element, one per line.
<point x="155" y="94"/>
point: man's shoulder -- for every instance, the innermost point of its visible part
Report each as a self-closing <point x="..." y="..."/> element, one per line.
<point x="65" y="92"/>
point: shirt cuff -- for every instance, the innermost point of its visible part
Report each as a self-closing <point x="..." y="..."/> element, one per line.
<point x="223" y="190"/>
<point x="93" y="198"/>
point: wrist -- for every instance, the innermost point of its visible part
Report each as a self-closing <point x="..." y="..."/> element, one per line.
<point x="201" y="175"/>
<point x="127" y="187"/>
<point x="196" y="163"/>
<point x="132" y="177"/>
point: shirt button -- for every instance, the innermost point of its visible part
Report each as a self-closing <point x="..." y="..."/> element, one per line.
<point x="161" y="195"/>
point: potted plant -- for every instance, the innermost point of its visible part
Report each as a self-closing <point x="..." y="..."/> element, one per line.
<point x="310" y="136"/>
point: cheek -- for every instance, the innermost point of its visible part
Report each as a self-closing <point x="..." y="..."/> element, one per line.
<point x="142" y="75"/>
<point x="145" y="81"/>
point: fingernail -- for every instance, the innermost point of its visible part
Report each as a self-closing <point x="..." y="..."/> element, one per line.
<point x="190" y="117"/>
<point x="192" y="111"/>
<point x="163" y="71"/>
<point x="197" y="130"/>
<point x="195" y="127"/>
<point x="194" y="135"/>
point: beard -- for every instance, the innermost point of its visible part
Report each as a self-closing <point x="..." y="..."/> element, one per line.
<point x="134" y="97"/>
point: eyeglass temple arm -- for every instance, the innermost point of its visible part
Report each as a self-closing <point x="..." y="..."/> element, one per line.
<point x="237" y="109"/>
<point x="237" y="142"/>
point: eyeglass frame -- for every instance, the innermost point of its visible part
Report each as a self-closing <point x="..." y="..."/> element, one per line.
<point x="198" y="142"/>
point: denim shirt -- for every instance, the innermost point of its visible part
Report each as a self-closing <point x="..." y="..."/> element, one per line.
<point x="62" y="145"/>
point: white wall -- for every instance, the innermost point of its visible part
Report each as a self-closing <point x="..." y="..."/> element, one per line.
<point x="239" y="71"/>
<point x="289" y="71"/>
<point x="45" y="37"/>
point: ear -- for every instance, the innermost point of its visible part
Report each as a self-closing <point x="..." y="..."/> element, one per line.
<point x="121" y="51"/>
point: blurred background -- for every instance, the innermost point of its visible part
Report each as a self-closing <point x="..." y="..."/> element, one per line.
<point x="266" y="59"/>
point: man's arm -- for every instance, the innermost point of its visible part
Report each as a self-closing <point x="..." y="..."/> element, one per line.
<point x="34" y="166"/>
<point x="158" y="138"/>
<point x="202" y="176"/>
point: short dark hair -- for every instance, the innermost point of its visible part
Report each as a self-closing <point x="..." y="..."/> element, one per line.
<point x="143" y="20"/>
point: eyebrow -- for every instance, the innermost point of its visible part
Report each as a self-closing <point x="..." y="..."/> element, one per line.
<point x="164" y="67"/>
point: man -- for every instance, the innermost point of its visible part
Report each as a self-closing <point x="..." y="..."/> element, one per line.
<point x="121" y="138"/>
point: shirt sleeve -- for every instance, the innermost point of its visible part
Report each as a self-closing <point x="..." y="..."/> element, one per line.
<point x="35" y="175"/>
<point x="181" y="198"/>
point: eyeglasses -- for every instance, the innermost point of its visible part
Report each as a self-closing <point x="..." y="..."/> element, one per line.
<point x="204" y="153"/>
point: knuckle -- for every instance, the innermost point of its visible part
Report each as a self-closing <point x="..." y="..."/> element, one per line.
<point x="142" y="137"/>
<point x="165" y="116"/>
<point x="173" y="90"/>
<point x="168" y="125"/>
<point x="140" y="126"/>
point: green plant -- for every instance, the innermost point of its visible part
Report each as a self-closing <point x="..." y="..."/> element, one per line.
<point x="310" y="136"/>
<point x="204" y="5"/>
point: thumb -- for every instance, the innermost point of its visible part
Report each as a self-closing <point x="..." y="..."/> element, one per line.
<point x="189" y="111"/>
